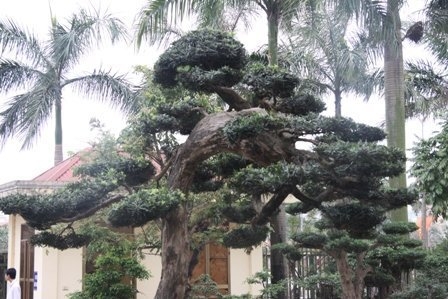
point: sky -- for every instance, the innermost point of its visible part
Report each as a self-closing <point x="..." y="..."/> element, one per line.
<point x="16" y="164"/>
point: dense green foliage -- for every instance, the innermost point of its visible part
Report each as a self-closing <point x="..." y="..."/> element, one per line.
<point x="4" y="238"/>
<point x="216" y="62"/>
<point x="430" y="168"/>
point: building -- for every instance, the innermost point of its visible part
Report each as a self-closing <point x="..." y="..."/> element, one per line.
<point x="48" y="273"/>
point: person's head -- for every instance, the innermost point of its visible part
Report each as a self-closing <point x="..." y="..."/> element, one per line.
<point x="10" y="274"/>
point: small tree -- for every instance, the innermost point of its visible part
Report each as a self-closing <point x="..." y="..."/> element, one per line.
<point x="243" y="123"/>
<point x="430" y="170"/>
<point x="350" y="225"/>
<point x="116" y="266"/>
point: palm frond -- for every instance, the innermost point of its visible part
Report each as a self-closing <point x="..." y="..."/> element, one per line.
<point x="426" y="89"/>
<point x="107" y="87"/>
<point x="20" y="43"/>
<point x="157" y="14"/>
<point x="292" y="9"/>
<point x="362" y="10"/>
<point x="84" y="30"/>
<point x="372" y="47"/>
<point x="436" y="30"/>
<point x="437" y="44"/>
<point x="371" y="15"/>
<point x="226" y="15"/>
<point x="25" y="114"/>
<point x="13" y="75"/>
<point x="437" y="16"/>
<point x="211" y="14"/>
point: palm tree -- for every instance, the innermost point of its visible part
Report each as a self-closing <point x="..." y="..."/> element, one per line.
<point x="382" y="21"/>
<point x="319" y="50"/>
<point x="44" y="68"/>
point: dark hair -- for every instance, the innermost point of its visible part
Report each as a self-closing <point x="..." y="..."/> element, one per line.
<point x="11" y="272"/>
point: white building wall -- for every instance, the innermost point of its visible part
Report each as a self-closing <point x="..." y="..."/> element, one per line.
<point x="70" y="270"/>
<point x="46" y="267"/>
<point x="147" y="288"/>
<point x="59" y="273"/>
<point x="243" y="266"/>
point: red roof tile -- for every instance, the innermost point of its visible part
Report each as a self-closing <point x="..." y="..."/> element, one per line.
<point x="63" y="172"/>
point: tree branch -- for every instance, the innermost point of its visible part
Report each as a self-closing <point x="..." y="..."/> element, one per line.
<point x="232" y="98"/>
<point x="93" y="210"/>
<point x="270" y="207"/>
<point x="305" y="199"/>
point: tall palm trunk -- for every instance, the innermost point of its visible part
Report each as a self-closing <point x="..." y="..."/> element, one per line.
<point x="337" y="100"/>
<point x="273" y="15"/>
<point x="58" y="153"/>
<point x="394" y="94"/>
<point x="279" y="268"/>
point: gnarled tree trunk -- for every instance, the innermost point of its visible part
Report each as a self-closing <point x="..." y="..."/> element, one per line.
<point x="176" y="255"/>
<point x="205" y="141"/>
<point x="352" y="280"/>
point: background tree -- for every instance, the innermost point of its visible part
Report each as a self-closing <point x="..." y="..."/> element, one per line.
<point x="365" y="256"/>
<point x="4" y="238"/>
<point x="319" y="48"/>
<point x="429" y="169"/>
<point x="430" y="281"/>
<point x="42" y="69"/>
<point x="372" y="15"/>
<point x="232" y="155"/>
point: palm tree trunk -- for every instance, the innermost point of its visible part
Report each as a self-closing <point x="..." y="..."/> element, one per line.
<point x="394" y="94"/>
<point x="338" y="102"/>
<point x="273" y="24"/>
<point x="279" y="268"/>
<point x="58" y="153"/>
<point x="279" y="264"/>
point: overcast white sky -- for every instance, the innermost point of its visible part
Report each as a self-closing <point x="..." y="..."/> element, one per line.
<point x="76" y="113"/>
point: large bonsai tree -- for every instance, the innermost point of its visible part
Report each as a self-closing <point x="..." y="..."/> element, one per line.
<point x="249" y="132"/>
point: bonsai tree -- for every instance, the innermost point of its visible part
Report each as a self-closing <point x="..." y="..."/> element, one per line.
<point x="249" y="131"/>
